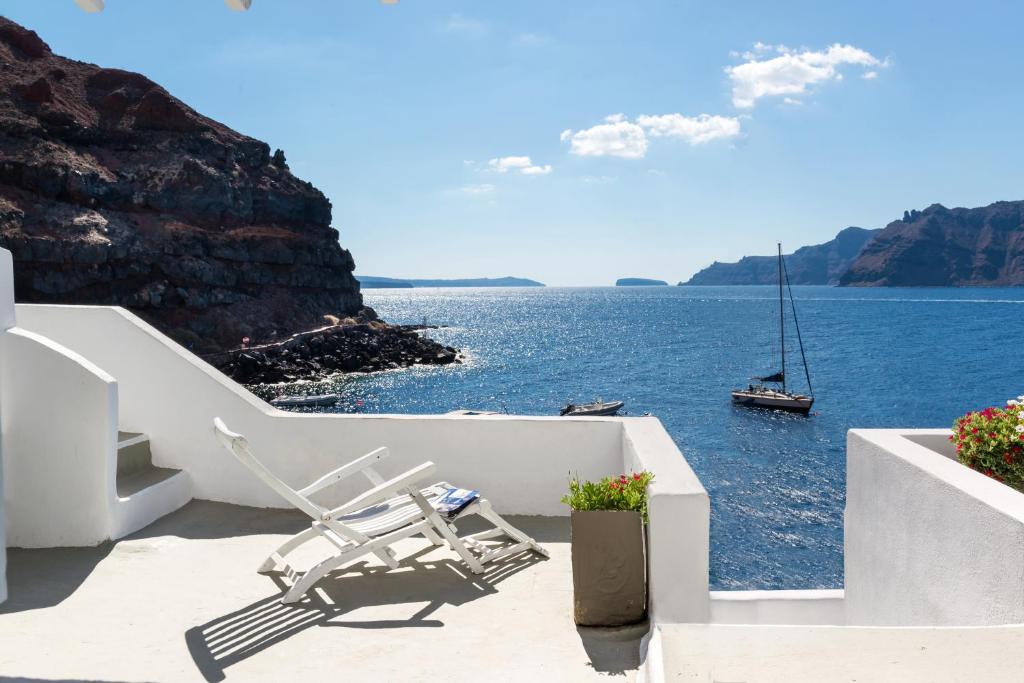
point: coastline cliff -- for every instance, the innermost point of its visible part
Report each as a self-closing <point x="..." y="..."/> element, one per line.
<point x="940" y="247"/>
<point x="113" y="191"/>
<point x="820" y="264"/>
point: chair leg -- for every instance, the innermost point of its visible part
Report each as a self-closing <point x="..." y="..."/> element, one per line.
<point x="456" y="544"/>
<point x="291" y="544"/>
<point x="488" y="513"/>
<point x="433" y="537"/>
<point x="388" y="557"/>
<point x="314" y="574"/>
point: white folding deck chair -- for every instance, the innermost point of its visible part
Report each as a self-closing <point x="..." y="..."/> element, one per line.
<point x="369" y="523"/>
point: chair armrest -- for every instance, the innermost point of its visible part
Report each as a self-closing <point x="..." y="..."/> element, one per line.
<point x="383" y="491"/>
<point x="360" y="463"/>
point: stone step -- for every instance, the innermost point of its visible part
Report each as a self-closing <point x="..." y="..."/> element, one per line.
<point x="133" y="454"/>
<point x="145" y="492"/>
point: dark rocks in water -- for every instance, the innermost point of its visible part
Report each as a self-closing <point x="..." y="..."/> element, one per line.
<point x="940" y="247"/>
<point x="114" y="192"/>
<point x="354" y="346"/>
<point x="820" y="264"/>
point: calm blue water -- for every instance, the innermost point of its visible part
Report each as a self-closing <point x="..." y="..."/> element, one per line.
<point x="878" y="358"/>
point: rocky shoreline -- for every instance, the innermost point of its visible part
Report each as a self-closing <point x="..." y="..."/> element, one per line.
<point x="350" y="346"/>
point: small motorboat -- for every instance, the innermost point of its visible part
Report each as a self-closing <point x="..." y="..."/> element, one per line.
<point x="311" y="401"/>
<point x="468" y="412"/>
<point x="595" y="408"/>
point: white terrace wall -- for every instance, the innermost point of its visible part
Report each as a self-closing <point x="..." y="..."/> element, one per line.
<point x="6" y="322"/>
<point x="59" y="436"/>
<point x="521" y="463"/>
<point x="680" y="518"/>
<point x="929" y="542"/>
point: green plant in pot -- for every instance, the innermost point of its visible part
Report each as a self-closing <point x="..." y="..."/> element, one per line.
<point x="609" y="567"/>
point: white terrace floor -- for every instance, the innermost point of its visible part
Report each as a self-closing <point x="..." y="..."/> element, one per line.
<point x="180" y="601"/>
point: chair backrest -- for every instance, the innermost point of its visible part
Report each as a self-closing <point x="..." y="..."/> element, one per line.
<point x="239" y="447"/>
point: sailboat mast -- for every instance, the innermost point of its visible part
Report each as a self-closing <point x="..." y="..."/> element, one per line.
<point x="796" y="324"/>
<point x="782" y="322"/>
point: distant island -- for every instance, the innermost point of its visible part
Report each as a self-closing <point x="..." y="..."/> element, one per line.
<point x="375" y="282"/>
<point x="821" y="264"/>
<point x="639" y="282"/>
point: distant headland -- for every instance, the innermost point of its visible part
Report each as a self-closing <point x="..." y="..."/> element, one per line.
<point x="936" y="247"/>
<point x="375" y="282"/>
<point x="639" y="282"/>
<point x="820" y="264"/>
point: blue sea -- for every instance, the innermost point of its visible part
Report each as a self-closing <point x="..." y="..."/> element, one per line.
<point x="877" y="357"/>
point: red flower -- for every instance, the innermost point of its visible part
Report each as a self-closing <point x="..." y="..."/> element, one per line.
<point x="974" y="431"/>
<point x="1008" y="458"/>
<point x="637" y="477"/>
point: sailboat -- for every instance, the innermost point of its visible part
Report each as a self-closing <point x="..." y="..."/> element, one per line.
<point x="771" y="391"/>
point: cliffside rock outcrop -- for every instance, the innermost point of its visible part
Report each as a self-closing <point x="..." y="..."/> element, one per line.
<point x="112" y="191"/>
<point x="820" y="264"/>
<point x="941" y="247"/>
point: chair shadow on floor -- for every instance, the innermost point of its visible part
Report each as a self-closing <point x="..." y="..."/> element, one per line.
<point x="234" y="637"/>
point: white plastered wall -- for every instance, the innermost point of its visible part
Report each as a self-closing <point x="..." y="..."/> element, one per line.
<point x="680" y="519"/>
<point x="59" y="432"/>
<point x="6" y="322"/>
<point x="929" y="542"/>
<point x="521" y="463"/>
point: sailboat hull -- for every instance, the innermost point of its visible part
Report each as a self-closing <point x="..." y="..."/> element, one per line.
<point x="773" y="400"/>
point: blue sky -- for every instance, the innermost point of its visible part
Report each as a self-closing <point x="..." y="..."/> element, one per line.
<point x="661" y="135"/>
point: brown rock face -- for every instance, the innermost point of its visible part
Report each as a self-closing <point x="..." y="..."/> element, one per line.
<point x="820" y="264"/>
<point x="112" y="191"/>
<point x="941" y="247"/>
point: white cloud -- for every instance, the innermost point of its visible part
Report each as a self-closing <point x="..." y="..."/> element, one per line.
<point x="476" y="190"/>
<point x="458" y="23"/>
<point x="620" y="137"/>
<point x="615" y="138"/>
<point x="537" y="170"/>
<point x="695" y="130"/>
<point x="522" y="164"/>
<point x="792" y="100"/>
<point x="504" y="164"/>
<point x="792" y="72"/>
<point x="597" y="179"/>
<point x="869" y="75"/>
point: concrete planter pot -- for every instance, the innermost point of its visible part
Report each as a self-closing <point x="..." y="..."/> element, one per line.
<point x="609" y="568"/>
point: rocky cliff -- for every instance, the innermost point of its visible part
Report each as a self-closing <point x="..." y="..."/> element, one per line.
<point x="820" y="264"/>
<point x="941" y="247"/>
<point x="112" y="191"/>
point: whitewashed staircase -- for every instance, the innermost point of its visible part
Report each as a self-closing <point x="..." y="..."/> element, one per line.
<point x="145" y="493"/>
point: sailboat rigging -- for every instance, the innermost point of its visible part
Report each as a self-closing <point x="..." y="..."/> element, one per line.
<point x="778" y="397"/>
